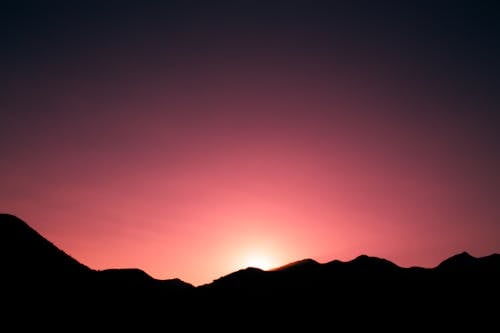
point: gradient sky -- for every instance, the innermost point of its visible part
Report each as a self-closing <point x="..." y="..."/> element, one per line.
<point x="186" y="139"/>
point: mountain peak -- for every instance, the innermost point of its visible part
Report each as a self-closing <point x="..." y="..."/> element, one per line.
<point x="304" y="263"/>
<point x="10" y="223"/>
<point x="458" y="261"/>
<point x="364" y="259"/>
<point x="242" y="276"/>
<point x="129" y="273"/>
<point x="463" y="254"/>
<point x="24" y="252"/>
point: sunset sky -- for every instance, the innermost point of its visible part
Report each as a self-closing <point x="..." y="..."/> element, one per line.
<point x="194" y="139"/>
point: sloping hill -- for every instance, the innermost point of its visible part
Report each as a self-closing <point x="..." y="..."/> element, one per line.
<point x="26" y="255"/>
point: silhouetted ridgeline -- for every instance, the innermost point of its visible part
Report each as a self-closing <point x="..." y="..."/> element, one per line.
<point x="37" y="277"/>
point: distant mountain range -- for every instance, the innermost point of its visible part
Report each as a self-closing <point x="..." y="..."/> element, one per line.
<point x="36" y="274"/>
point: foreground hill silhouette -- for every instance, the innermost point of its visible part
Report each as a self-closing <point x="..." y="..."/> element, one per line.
<point x="38" y="277"/>
<point x="28" y="258"/>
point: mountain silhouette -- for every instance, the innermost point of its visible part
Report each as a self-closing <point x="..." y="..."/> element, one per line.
<point x="26" y="255"/>
<point x="298" y="265"/>
<point x="463" y="259"/>
<point x="36" y="272"/>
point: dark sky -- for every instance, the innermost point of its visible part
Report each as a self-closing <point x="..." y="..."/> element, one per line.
<point x="191" y="138"/>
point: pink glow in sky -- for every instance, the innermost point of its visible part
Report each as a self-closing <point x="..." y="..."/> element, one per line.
<point x="186" y="159"/>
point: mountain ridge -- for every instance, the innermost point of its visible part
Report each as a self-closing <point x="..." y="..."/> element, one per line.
<point x="18" y="231"/>
<point x="366" y="287"/>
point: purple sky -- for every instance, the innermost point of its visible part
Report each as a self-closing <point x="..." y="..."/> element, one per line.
<point x="193" y="140"/>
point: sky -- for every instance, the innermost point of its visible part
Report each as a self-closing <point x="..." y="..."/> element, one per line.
<point x="192" y="139"/>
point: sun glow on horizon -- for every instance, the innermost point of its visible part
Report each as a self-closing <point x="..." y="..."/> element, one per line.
<point x="259" y="260"/>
